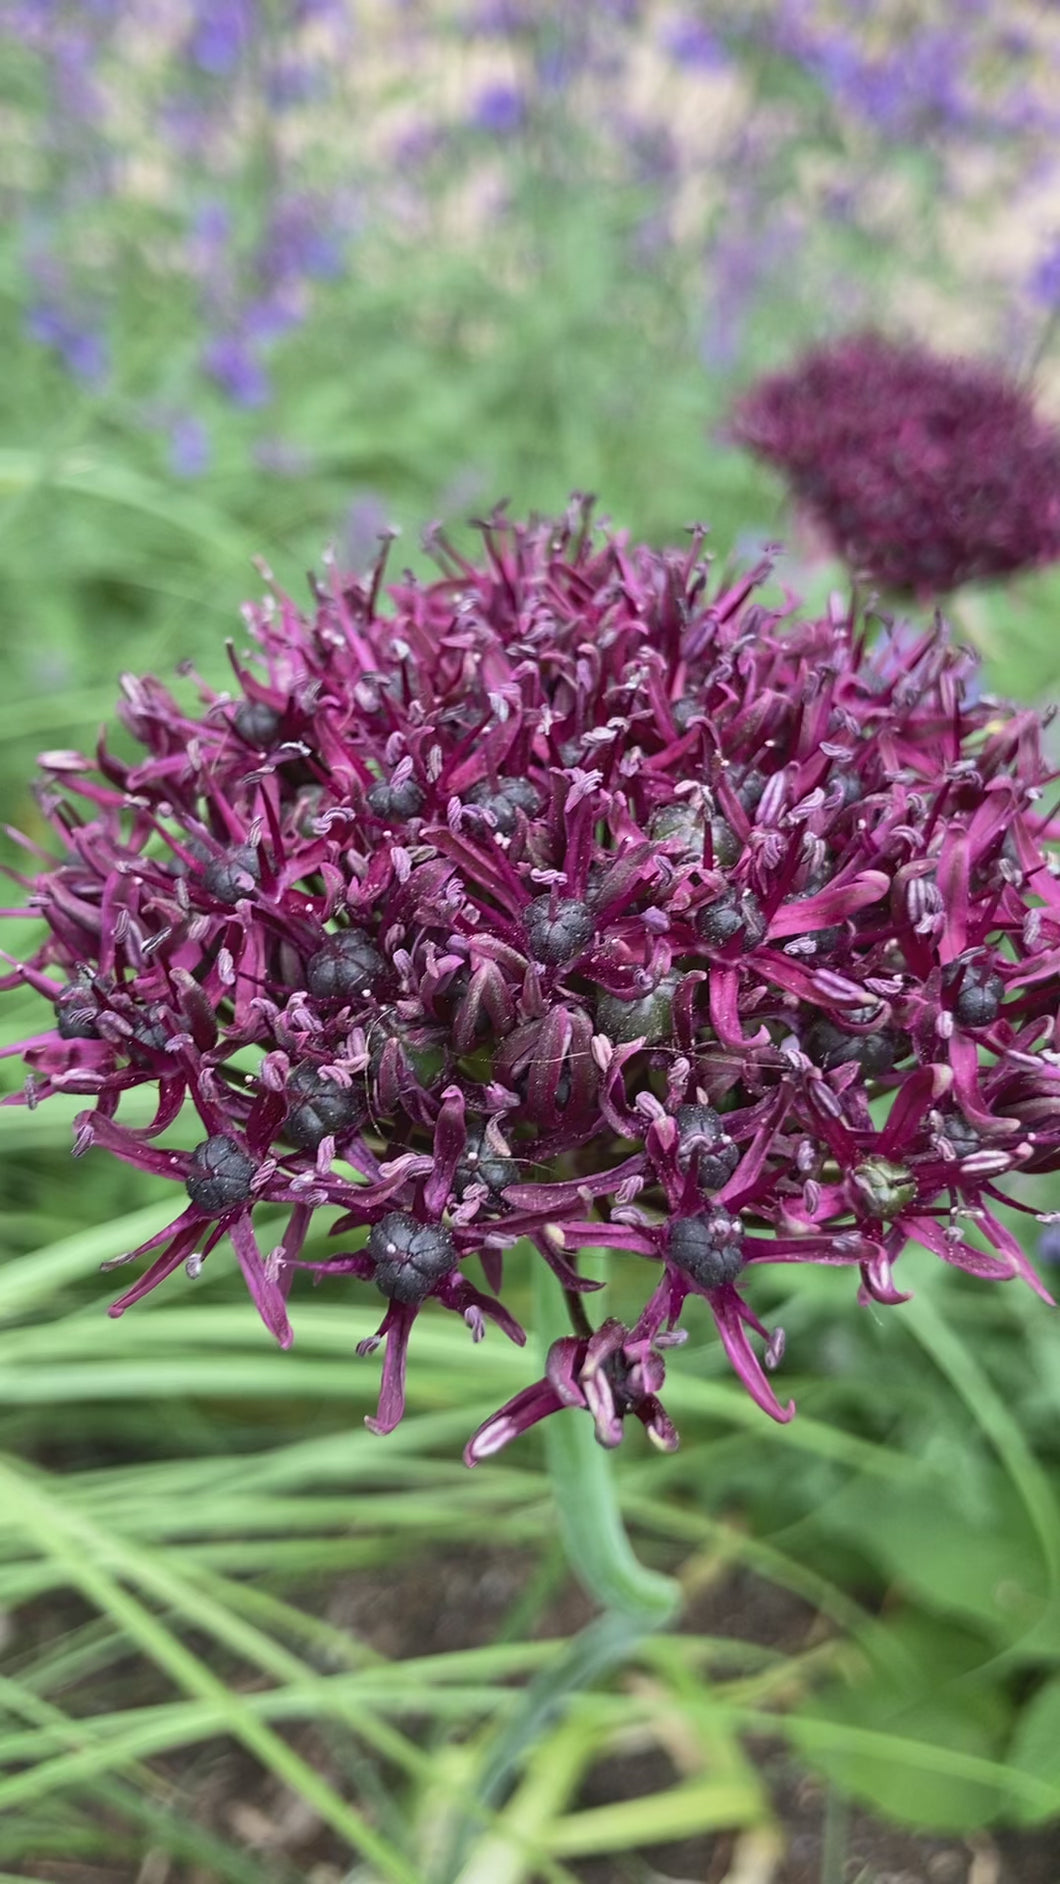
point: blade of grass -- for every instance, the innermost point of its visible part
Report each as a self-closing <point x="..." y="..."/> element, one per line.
<point x="553" y="1771"/>
<point x="85" y="474"/>
<point x="67" y="1536"/>
<point x="184" y="1838"/>
<point x="26" y="1281"/>
<point x="683" y="1811"/>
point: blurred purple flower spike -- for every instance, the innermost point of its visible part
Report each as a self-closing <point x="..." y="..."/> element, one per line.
<point x="220" y="32"/>
<point x="500" y="110"/>
<point x="231" y="361"/>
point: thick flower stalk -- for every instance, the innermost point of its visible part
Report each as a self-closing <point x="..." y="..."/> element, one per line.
<point x="574" y="899"/>
<point x="923" y="472"/>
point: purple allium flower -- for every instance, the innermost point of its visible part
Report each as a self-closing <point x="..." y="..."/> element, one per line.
<point x="574" y="898"/>
<point x="925" y="472"/>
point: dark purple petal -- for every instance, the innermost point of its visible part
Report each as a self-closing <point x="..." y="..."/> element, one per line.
<point x="517" y="1416"/>
<point x="263" y="1282"/>
<point x="733" y="1318"/>
<point x="395" y="1329"/>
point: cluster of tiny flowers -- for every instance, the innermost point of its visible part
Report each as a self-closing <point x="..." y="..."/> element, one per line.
<point x="574" y="898"/>
<point x="924" y="472"/>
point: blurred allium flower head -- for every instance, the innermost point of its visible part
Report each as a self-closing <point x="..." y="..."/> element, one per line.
<point x="574" y="898"/>
<point x="925" y="472"/>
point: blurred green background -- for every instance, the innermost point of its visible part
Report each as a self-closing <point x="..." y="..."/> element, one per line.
<point x="274" y="275"/>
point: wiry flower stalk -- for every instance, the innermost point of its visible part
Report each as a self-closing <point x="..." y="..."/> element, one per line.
<point x="574" y="899"/>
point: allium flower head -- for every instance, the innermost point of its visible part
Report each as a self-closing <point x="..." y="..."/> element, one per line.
<point x="574" y="898"/>
<point x="924" y="472"/>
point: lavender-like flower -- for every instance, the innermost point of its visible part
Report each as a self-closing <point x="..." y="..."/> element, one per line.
<point x="575" y="899"/>
<point x="924" y="472"/>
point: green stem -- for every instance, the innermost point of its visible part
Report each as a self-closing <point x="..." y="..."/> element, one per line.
<point x="834" y="1837"/>
<point x="583" y="1485"/>
<point x="634" y="1600"/>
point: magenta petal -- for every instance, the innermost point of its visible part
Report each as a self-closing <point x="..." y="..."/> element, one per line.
<point x="658" y="1425"/>
<point x="189" y="1218"/>
<point x="606" y="1416"/>
<point x="806" y="913"/>
<point x="731" y="1315"/>
<point x="130" y="1147"/>
<point x="877" y="1282"/>
<point x="964" y="1059"/>
<point x="742" y="1182"/>
<point x="492" y="1261"/>
<point x="265" y="1290"/>
<point x="450" y="1138"/>
<point x="171" y="1094"/>
<point x="1002" y="1238"/>
<point x="725" y="1014"/>
<point x="914" y="1099"/>
<point x="457" y="1293"/>
<point x="396" y="1327"/>
<point x="563" y="1365"/>
<point x="952" y="874"/>
<point x="162" y="1267"/>
<point x="343" y="1263"/>
<point x="560" y="1198"/>
<point x="517" y="1416"/>
<point x="976" y="1262"/>
<point x="568" y="1275"/>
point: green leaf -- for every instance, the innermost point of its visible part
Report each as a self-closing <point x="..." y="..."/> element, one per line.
<point x="987" y="1568"/>
<point x="1035" y="1748"/>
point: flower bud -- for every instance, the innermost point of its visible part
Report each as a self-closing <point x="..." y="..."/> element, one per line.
<point x="226" y="876"/>
<point x="829" y="1046"/>
<point x="701" y="1137"/>
<point x="75" y="1014"/>
<point x="884" y="1189"/>
<point x="395" y="804"/>
<point x="321" y="1108"/>
<point x="346" y="966"/>
<point x="558" y="932"/>
<point x="963" y="1137"/>
<point x="734" y="914"/>
<point x="978" y="996"/>
<point x="684" y="824"/>
<point x="648" y="1016"/>
<point x="480" y="1164"/>
<point x="707" y="1247"/>
<point x="220" y="1175"/>
<point x="409" y="1256"/>
<point x="257" y="722"/>
<point x="511" y="795"/>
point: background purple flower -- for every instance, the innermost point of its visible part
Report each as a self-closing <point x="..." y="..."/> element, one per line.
<point x="925" y="472"/>
<point x="499" y="109"/>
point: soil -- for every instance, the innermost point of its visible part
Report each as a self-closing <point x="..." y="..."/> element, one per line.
<point x="463" y="1600"/>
